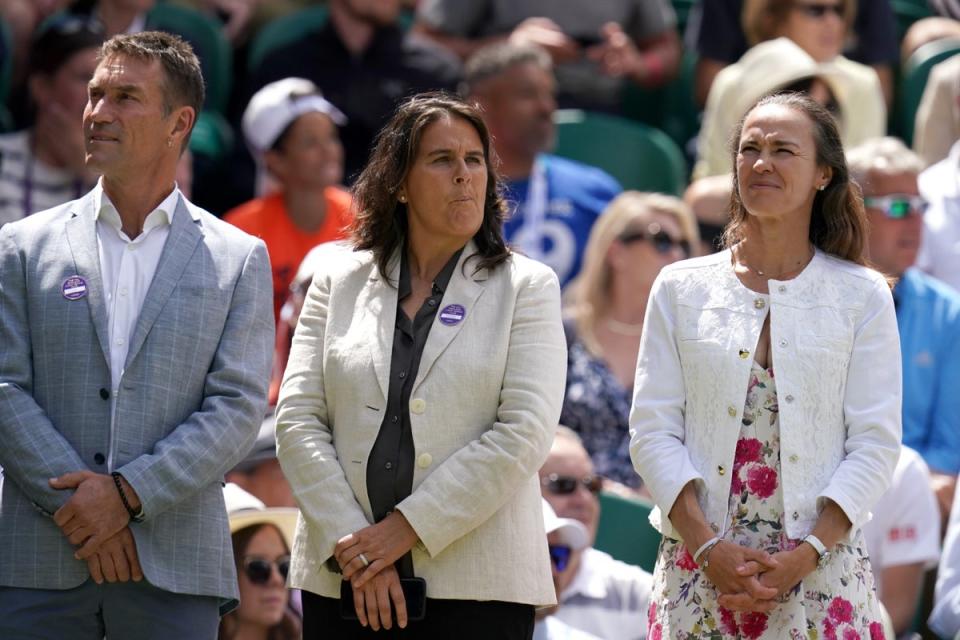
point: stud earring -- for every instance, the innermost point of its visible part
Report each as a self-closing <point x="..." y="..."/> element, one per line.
<point x="821" y="187"/>
<point x="169" y="143"/>
<point x="402" y="198"/>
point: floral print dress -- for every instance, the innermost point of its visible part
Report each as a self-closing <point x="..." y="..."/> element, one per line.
<point x="837" y="602"/>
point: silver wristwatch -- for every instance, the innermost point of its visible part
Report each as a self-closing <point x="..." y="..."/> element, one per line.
<point x="820" y="548"/>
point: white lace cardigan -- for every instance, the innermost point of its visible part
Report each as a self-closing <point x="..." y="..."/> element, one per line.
<point x="836" y="356"/>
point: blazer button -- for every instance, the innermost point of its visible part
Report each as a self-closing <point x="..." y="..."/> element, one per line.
<point x="721" y="470"/>
<point x="417" y="405"/>
<point x="98" y="458"/>
<point x="104" y="394"/>
<point x="783" y="343"/>
<point x="782" y="289"/>
<point x="789" y="398"/>
<point x="732" y="411"/>
<point x="424" y="460"/>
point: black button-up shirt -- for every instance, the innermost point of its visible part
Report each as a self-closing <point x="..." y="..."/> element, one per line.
<point x="390" y="467"/>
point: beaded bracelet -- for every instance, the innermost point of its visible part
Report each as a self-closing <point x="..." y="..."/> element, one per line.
<point x="135" y="516"/>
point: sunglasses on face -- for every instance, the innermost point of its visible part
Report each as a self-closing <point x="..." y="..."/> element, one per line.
<point x="565" y="485"/>
<point x="560" y="556"/>
<point x="662" y="241"/>
<point x="258" y="570"/>
<point x="819" y="10"/>
<point x="897" y="206"/>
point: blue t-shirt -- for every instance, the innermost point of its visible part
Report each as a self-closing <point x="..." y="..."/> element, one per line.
<point x="576" y="195"/>
<point x="928" y="314"/>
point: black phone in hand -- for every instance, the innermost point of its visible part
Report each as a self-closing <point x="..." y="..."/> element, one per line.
<point x="414" y="593"/>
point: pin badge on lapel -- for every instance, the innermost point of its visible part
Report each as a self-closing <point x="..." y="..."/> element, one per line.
<point x="452" y="314"/>
<point x="74" y="288"/>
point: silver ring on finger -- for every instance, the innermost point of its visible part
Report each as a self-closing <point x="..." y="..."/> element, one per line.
<point x="363" y="559"/>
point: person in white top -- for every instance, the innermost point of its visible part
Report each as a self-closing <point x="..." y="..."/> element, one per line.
<point x="945" y="618"/>
<point x="940" y="251"/>
<point x="766" y="415"/>
<point x="903" y="538"/>
<point x="596" y="593"/>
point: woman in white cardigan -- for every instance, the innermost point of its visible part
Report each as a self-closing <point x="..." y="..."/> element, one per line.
<point x="423" y="388"/>
<point x="766" y="414"/>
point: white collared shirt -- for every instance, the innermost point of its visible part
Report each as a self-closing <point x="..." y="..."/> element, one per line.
<point x="127" y="268"/>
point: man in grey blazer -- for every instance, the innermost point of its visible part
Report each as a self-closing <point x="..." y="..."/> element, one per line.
<point x="135" y="340"/>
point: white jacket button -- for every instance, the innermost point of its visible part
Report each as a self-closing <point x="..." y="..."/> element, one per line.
<point x="424" y="460"/>
<point x="417" y="405"/>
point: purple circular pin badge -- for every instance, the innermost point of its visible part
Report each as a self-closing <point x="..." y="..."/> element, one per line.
<point x="74" y="288"/>
<point x="452" y="314"/>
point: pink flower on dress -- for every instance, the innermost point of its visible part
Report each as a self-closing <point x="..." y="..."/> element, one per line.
<point x="651" y="613"/>
<point x="656" y="632"/>
<point x="829" y="630"/>
<point x="753" y="624"/>
<point x="684" y="560"/>
<point x="876" y="631"/>
<point x="762" y="481"/>
<point x="748" y="450"/>
<point x="736" y="483"/>
<point x="840" y="610"/>
<point x="728" y="622"/>
<point x="850" y="634"/>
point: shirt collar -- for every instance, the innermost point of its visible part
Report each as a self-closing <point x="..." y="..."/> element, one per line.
<point x="104" y="209"/>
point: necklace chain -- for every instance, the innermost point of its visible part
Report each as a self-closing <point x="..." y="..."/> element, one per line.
<point x="800" y="264"/>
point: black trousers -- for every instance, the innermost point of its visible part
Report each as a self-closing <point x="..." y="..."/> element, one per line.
<point x="444" y="619"/>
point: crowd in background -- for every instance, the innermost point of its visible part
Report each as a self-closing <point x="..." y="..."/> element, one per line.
<point x="298" y="89"/>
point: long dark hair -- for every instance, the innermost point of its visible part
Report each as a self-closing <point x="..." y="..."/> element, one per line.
<point x="289" y="627"/>
<point x="838" y="223"/>
<point x="380" y="224"/>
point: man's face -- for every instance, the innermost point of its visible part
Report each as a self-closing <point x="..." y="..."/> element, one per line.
<point x="66" y="88"/>
<point x="126" y="129"/>
<point x="569" y="459"/>
<point x="518" y="108"/>
<point x="894" y="242"/>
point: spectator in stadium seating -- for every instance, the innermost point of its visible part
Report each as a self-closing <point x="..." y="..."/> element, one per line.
<point x="928" y="311"/>
<point x="937" y="123"/>
<point x="116" y="16"/>
<point x="565" y="537"/>
<point x="849" y="90"/>
<point x="945" y="618"/>
<point x="715" y="30"/>
<point x="260" y="474"/>
<point x="903" y="539"/>
<point x="596" y="47"/>
<point x="292" y="132"/>
<point x="364" y="63"/>
<point x="709" y="199"/>
<point x="435" y="355"/>
<point x="556" y="200"/>
<point x="43" y="166"/>
<point x="637" y="234"/>
<point x="261" y="537"/>
<point x="597" y="593"/>
<point x="940" y="251"/>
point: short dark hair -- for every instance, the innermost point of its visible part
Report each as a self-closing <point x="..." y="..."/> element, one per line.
<point x="380" y="224"/>
<point x="838" y="223"/>
<point x="183" y="80"/>
<point x="59" y="40"/>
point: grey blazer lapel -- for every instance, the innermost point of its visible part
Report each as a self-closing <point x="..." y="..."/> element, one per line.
<point x="184" y="236"/>
<point x="81" y="232"/>
<point x="382" y="320"/>
<point x="463" y="290"/>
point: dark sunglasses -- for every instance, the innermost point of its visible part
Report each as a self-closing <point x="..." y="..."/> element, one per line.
<point x="662" y="241"/>
<point x="565" y="485"/>
<point x="560" y="556"/>
<point x="897" y="206"/>
<point x="258" y="569"/>
<point x="819" y="10"/>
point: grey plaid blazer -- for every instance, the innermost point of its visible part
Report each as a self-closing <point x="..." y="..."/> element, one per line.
<point x="189" y="405"/>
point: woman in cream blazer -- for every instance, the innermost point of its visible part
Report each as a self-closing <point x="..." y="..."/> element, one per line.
<point x="482" y="408"/>
<point x="790" y="292"/>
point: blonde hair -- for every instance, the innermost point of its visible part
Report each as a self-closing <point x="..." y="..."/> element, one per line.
<point x="762" y="19"/>
<point x="588" y="296"/>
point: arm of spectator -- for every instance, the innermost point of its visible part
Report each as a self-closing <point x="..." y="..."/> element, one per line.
<point x="650" y="62"/>
<point x="944" y="487"/>
<point x="902" y="584"/>
<point x="945" y="618"/>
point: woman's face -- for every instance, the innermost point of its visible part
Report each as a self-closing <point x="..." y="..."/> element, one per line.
<point x="777" y="170"/>
<point x="312" y="155"/>
<point x="446" y="186"/>
<point x="817" y="26"/>
<point x="647" y="244"/>
<point x="263" y="604"/>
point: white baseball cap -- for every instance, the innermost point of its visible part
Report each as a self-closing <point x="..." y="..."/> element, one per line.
<point x="275" y="106"/>
<point x="246" y="510"/>
<point x="571" y="532"/>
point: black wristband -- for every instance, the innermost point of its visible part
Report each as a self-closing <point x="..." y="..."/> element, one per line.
<point x="135" y="516"/>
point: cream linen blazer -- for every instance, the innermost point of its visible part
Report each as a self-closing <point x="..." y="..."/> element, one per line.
<point x="483" y="411"/>
<point x="836" y="354"/>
